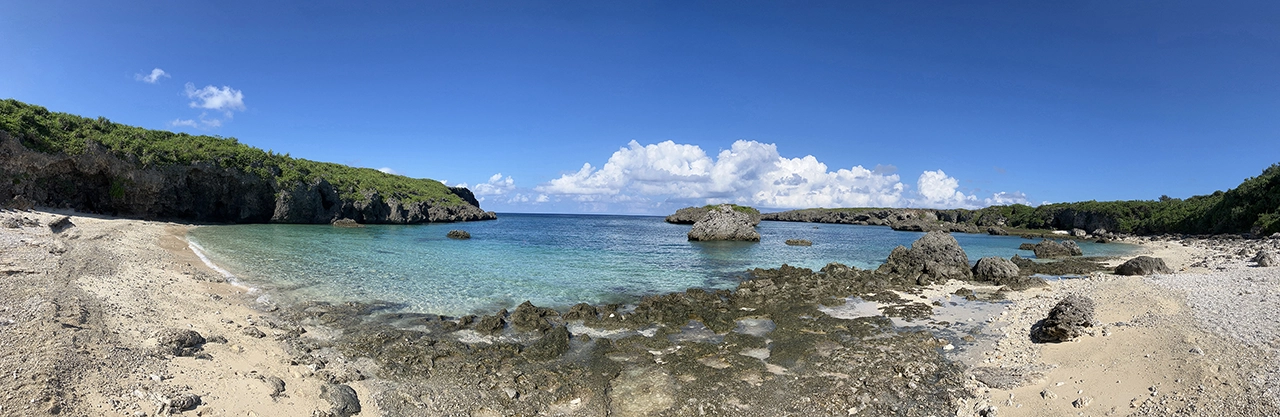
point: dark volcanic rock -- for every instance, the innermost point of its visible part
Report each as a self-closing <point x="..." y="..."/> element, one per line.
<point x="1143" y="265"/>
<point x="1265" y="259"/>
<point x="1066" y="321"/>
<point x="529" y="317"/>
<point x="934" y="258"/>
<point x="458" y="234"/>
<point x="179" y="342"/>
<point x="799" y="242"/>
<point x="553" y="344"/>
<point x="723" y="223"/>
<point x="1052" y="249"/>
<point x="1027" y="246"/>
<point x="342" y="399"/>
<point x="184" y="402"/>
<point x="492" y="324"/>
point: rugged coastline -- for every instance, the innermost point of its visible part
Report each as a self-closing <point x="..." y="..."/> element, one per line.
<point x="774" y="334"/>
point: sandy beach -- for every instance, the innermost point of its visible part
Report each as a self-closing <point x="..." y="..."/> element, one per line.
<point x="85" y="310"/>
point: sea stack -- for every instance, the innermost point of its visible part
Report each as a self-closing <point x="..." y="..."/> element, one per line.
<point x="724" y="223"/>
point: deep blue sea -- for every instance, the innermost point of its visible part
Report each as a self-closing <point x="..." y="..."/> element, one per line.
<point x="551" y="260"/>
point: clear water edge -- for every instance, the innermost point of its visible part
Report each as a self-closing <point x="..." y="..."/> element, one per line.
<point x="550" y="260"/>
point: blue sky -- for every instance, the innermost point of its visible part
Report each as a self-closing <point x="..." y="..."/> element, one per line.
<point x="948" y="104"/>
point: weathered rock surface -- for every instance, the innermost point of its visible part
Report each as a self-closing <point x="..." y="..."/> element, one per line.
<point x="179" y="342"/>
<point x="458" y="234"/>
<point x="1067" y="320"/>
<point x="1047" y="249"/>
<point x="342" y="398"/>
<point x="691" y="215"/>
<point x="184" y="402"/>
<point x="347" y="223"/>
<point x="934" y="258"/>
<point x="106" y="183"/>
<point x="994" y="268"/>
<point x="1143" y="265"/>
<point x="724" y="223"/>
<point x="799" y="242"/>
<point x="1266" y="259"/>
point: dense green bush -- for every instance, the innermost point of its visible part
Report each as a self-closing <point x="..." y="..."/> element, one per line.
<point x="60" y="133"/>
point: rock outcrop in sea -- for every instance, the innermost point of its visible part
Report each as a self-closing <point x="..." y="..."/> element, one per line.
<point x="934" y="258"/>
<point x="724" y="223"/>
<point x="100" y="181"/>
<point x="691" y="215"/>
<point x="1047" y="249"/>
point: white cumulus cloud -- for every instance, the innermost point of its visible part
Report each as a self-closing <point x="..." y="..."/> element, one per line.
<point x="496" y="185"/>
<point x="748" y="172"/>
<point x="224" y="99"/>
<point x="937" y="190"/>
<point x="153" y="77"/>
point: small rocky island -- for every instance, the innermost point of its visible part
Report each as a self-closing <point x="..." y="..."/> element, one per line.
<point x="725" y="223"/>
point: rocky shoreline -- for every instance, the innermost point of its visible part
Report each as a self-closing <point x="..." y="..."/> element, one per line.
<point x="785" y="342"/>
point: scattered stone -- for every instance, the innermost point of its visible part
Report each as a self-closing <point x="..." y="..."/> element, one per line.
<point x="342" y="398"/>
<point x="60" y="223"/>
<point x="11" y="222"/>
<point x="724" y="223"/>
<point x="1066" y="321"/>
<point x="253" y="332"/>
<point x="799" y="242"/>
<point x="346" y="223"/>
<point x="458" y="234"/>
<point x="216" y="339"/>
<point x="1143" y="265"/>
<point x="1082" y="402"/>
<point x="1048" y="395"/>
<point x="276" y="385"/>
<point x="932" y="259"/>
<point x="184" y="402"/>
<point x="1266" y="259"/>
<point x="179" y="342"/>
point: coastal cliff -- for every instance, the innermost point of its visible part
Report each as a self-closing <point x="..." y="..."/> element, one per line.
<point x="95" y="166"/>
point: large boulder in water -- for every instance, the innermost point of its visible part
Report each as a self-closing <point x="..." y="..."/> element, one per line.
<point x="1143" y="265"/>
<point x="724" y="223"/>
<point x="934" y="258"/>
<point x="1066" y="321"/>
<point x="1051" y="249"/>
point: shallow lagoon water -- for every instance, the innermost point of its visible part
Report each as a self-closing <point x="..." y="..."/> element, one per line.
<point x="551" y="260"/>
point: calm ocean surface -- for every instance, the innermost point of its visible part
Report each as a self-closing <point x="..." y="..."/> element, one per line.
<point x="551" y="260"/>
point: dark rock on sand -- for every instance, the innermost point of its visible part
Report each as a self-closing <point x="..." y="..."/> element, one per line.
<point x="799" y="242"/>
<point x="934" y="258"/>
<point x="1052" y="249"/>
<point x="458" y="234"/>
<point x="253" y="332"/>
<point x="1265" y="259"/>
<point x="1143" y="265"/>
<point x="60" y="223"/>
<point x="342" y="399"/>
<point x="184" y="402"/>
<point x="179" y="342"/>
<point x="275" y="385"/>
<point x="724" y="223"/>
<point x="1066" y="321"/>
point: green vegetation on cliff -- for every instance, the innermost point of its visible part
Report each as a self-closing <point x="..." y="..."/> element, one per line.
<point x="60" y="133"/>
<point x="735" y="207"/>
<point x="1251" y="207"/>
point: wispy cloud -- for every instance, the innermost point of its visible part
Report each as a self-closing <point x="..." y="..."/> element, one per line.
<point x="203" y="122"/>
<point x="388" y="170"/>
<point x="153" y="77"/>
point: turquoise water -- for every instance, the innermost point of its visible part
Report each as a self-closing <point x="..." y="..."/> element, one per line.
<point x="551" y="260"/>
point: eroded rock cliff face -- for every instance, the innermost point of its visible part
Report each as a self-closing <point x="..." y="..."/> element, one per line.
<point x="100" y="181"/>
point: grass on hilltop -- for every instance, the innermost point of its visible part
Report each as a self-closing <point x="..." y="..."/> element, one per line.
<point x="60" y="133"/>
